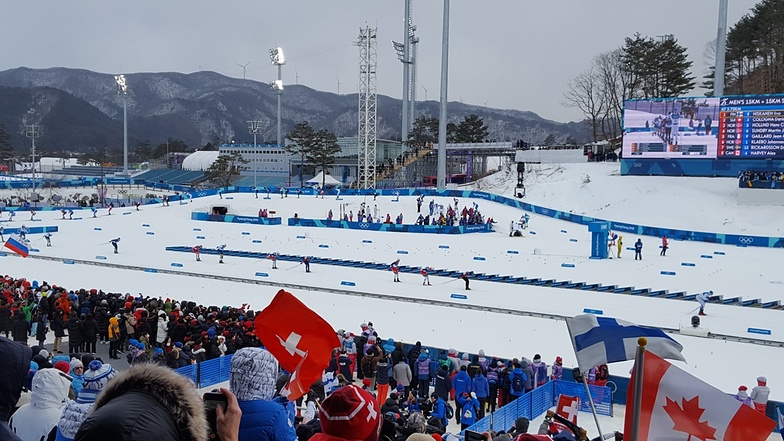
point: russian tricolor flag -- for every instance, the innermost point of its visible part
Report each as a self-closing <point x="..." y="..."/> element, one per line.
<point x="17" y="246"/>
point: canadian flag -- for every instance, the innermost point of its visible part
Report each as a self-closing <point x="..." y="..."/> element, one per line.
<point x="567" y="408"/>
<point x="679" y="406"/>
<point x="299" y="338"/>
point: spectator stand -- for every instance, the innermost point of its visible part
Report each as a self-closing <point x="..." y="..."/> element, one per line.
<point x="761" y="179"/>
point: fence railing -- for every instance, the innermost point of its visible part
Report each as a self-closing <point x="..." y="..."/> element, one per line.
<point x="539" y="400"/>
<point x="207" y="372"/>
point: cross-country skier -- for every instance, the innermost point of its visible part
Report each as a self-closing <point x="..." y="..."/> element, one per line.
<point x="111" y="205"/>
<point x="664" y="246"/>
<point x="32" y="215"/>
<point x="425" y="275"/>
<point x="197" y="251"/>
<point x="395" y="270"/>
<point x="48" y="237"/>
<point x="274" y="258"/>
<point x="703" y="298"/>
<point x="220" y="252"/>
<point x="465" y="277"/>
<point x="23" y="232"/>
<point x="114" y="244"/>
<point x="306" y="261"/>
<point x="11" y="215"/>
<point x="63" y="212"/>
<point x="2" y="239"/>
<point x="136" y="204"/>
<point x="70" y="214"/>
<point x="95" y="212"/>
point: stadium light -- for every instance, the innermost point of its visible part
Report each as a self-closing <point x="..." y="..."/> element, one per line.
<point x="122" y="89"/>
<point x="277" y="58"/>
<point x="254" y="127"/>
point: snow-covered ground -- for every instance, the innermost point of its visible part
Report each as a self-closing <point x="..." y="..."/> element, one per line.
<point x="689" y="203"/>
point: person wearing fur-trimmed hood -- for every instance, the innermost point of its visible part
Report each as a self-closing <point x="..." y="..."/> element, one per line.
<point x="143" y="403"/>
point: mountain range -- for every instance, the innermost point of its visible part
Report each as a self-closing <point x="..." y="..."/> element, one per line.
<point x="80" y="109"/>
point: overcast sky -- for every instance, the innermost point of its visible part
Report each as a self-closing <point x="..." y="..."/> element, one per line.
<point x="511" y="54"/>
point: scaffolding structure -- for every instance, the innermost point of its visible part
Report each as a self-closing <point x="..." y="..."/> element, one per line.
<point x="368" y="109"/>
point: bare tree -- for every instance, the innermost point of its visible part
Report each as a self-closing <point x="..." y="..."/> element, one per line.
<point x="585" y="94"/>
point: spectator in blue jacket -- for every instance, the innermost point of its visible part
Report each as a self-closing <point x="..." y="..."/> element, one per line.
<point x="443" y="383"/>
<point x="439" y="408"/>
<point x="462" y="385"/>
<point x="515" y="391"/>
<point x="252" y="378"/>
<point x="423" y="375"/>
<point x="468" y="406"/>
<point x="481" y="387"/>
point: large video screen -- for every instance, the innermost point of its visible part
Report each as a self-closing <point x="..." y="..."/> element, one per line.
<point x="671" y="128"/>
<point x="750" y="127"/>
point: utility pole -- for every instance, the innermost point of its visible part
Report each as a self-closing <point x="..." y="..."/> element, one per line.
<point x="441" y="175"/>
<point x="721" y="49"/>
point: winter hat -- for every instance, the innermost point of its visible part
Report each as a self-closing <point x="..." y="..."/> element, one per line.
<point x="252" y="374"/>
<point x="420" y="437"/>
<point x="159" y="350"/>
<point x="464" y="356"/>
<point x="350" y="413"/>
<point x="481" y="352"/>
<point x="178" y="344"/>
<point x="416" y="423"/>
<point x="521" y="425"/>
<point x="537" y="358"/>
<point x="558" y="360"/>
<point x="372" y="338"/>
<point x="762" y="380"/>
<point x="44" y="353"/>
<point x="64" y="358"/>
<point x="501" y="363"/>
<point x="104" y="302"/>
<point x="63" y="366"/>
<point x="363" y="326"/>
<point x="98" y="375"/>
<point x="400" y="387"/>
<point x="76" y="363"/>
<point x="744" y="388"/>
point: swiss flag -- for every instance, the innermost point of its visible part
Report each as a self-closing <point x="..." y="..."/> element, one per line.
<point x="299" y="338"/>
<point x="679" y="406"/>
<point x="567" y="408"/>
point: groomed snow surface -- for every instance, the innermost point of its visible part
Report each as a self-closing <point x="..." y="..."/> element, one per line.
<point x="702" y="204"/>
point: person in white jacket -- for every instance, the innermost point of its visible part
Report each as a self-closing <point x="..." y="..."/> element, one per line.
<point x="760" y="393"/>
<point x="48" y="396"/>
<point x="163" y="324"/>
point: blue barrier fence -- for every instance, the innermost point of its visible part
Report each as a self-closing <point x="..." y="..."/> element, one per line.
<point x="208" y="372"/>
<point x="230" y="218"/>
<point x="539" y="400"/>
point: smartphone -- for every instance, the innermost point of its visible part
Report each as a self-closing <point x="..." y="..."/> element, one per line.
<point x="473" y="436"/>
<point x="211" y="401"/>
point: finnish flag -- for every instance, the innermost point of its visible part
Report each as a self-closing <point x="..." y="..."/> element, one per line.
<point x="601" y="340"/>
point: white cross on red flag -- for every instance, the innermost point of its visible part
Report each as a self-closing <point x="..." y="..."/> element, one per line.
<point x="568" y="407"/>
<point x="299" y="338"/>
<point x="677" y="405"/>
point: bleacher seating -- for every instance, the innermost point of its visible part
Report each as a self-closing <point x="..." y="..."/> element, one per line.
<point x="89" y="171"/>
<point x="262" y="181"/>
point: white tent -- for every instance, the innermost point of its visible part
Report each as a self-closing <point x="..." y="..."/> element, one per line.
<point x="329" y="181"/>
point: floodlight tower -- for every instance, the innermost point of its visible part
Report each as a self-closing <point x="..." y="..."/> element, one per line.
<point x="33" y="131"/>
<point x="368" y="109"/>
<point x="721" y="48"/>
<point x="254" y="127"/>
<point x="122" y="89"/>
<point x="277" y="58"/>
<point x="441" y="175"/>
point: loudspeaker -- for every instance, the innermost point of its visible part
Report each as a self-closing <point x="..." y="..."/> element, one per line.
<point x="695" y="321"/>
<point x="520" y="167"/>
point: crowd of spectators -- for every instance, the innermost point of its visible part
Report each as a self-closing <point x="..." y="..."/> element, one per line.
<point x="403" y="392"/>
<point x="761" y="175"/>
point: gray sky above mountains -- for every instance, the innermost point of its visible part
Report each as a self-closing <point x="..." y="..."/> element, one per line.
<point x="515" y="54"/>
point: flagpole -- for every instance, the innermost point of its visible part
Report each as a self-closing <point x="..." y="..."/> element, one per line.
<point x="585" y="383"/>
<point x="637" y="397"/>
<point x="593" y="407"/>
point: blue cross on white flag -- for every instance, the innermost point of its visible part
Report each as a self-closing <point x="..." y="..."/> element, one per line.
<point x="601" y="340"/>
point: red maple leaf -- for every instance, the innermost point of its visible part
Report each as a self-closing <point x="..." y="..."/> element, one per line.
<point x="687" y="419"/>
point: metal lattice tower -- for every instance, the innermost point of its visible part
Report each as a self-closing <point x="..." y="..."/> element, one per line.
<point x="368" y="108"/>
